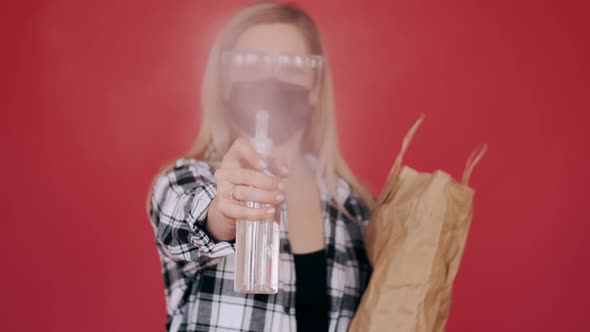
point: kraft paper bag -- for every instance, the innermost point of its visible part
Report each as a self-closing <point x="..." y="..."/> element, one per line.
<point x="415" y="241"/>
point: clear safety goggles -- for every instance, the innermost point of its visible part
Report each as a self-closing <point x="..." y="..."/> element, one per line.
<point x="303" y="70"/>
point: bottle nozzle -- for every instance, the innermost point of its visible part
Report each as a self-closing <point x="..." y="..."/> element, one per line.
<point x="262" y="143"/>
<point x="261" y="124"/>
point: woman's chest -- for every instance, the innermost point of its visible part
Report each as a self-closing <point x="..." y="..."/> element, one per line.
<point x="346" y="265"/>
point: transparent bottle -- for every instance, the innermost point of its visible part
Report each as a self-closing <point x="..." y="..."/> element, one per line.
<point x="257" y="242"/>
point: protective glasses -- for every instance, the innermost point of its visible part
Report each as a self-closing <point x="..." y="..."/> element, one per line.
<point x="303" y="70"/>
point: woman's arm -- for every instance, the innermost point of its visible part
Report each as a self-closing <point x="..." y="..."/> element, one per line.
<point x="179" y="204"/>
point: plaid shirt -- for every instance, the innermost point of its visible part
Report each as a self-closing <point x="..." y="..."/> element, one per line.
<point x="199" y="270"/>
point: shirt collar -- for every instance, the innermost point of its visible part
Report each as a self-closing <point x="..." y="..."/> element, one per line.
<point x="342" y="187"/>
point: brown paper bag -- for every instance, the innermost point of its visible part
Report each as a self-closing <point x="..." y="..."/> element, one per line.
<point x="415" y="242"/>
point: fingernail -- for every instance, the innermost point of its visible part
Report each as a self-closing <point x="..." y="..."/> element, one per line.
<point x="270" y="211"/>
<point x="284" y="170"/>
<point x="280" y="198"/>
<point x="281" y="186"/>
<point x="262" y="164"/>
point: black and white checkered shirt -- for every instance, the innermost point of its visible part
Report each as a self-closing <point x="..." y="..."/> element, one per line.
<point x="199" y="271"/>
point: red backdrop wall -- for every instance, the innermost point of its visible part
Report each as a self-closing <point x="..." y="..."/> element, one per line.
<point x="99" y="94"/>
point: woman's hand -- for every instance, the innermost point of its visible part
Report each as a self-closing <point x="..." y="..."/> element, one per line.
<point x="240" y="178"/>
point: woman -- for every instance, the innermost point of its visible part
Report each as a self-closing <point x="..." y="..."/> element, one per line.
<point x="268" y="56"/>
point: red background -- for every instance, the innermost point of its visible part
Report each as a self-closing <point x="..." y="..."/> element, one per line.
<point x="99" y="94"/>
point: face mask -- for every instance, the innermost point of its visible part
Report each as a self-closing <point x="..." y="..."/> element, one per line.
<point x="287" y="104"/>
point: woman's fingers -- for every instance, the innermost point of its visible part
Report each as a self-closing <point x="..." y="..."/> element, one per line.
<point x="250" y="189"/>
<point x="233" y="210"/>
<point x="242" y="154"/>
<point x="248" y="177"/>
<point x="278" y="167"/>
<point x="240" y="172"/>
<point x="247" y="193"/>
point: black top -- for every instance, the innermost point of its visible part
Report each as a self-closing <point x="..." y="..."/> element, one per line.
<point x="312" y="303"/>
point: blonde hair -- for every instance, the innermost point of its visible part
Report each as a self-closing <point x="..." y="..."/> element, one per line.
<point x="215" y="136"/>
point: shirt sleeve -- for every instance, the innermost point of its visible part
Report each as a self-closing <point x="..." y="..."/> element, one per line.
<point x="179" y="201"/>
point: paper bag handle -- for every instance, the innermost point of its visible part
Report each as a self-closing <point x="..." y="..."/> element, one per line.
<point x="473" y="159"/>
<point x="397" y="165"/>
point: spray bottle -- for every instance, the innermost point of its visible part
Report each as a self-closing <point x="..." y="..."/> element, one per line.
<point x="257" y="242"/>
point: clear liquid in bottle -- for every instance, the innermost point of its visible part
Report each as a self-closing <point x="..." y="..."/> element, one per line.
<point x="257" y="255"/>
<point x="257" y="242"/>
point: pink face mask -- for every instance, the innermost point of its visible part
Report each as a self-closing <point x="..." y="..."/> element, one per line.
<point x="287" y="104"/>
